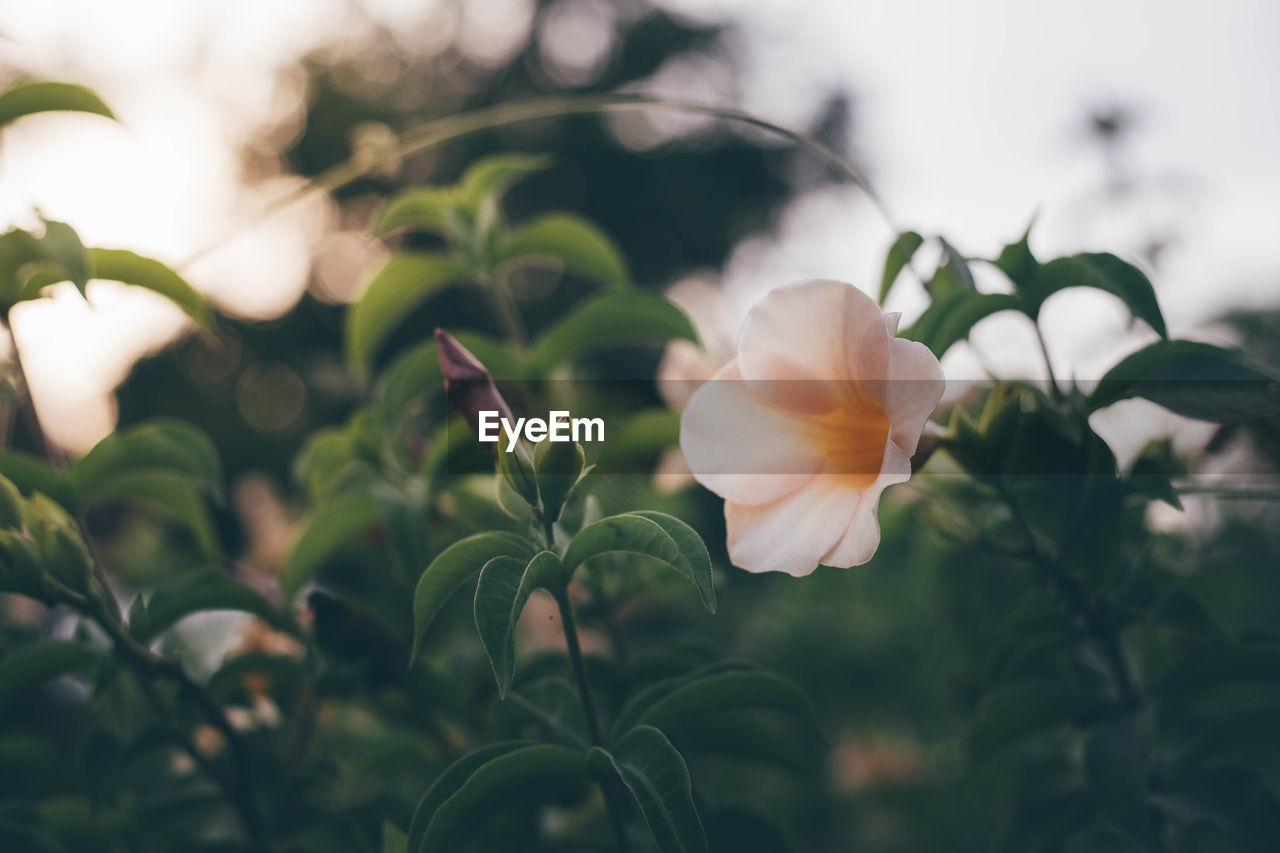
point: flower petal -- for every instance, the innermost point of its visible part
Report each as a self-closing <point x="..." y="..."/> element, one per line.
<point x="792" y="534"/>
<point x="862" y="537"/>
<point x="915" y="386"/>
<point x="740" y="448"/>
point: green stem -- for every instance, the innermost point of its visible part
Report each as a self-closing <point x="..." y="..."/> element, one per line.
<point x="504" y="305"/>
<point x="1048" y="362"/>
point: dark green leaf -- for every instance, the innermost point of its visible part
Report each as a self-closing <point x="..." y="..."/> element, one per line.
<point x="1101" y="271"/>
<point x="331" y="526"/>
<point x="1042" y="825"/>
<point x="196" y="592"/>
<point x="952" y="275"/>
<point x="166" y="446"/>
<point x="398" y="287"/>
<point x="448" y="783"/>
<point x="33" y="474"/>
<point x="610" y="320"/>
<point x="571" y="241"/>
<point x="61" y="244"/>
<point x="553" y="701"/>
<point x="539" y="767"/>
<point x="724" y="691"/>
<point x="40" y="96"/>
<point x="658" y="778"/>
<point x="26" y="668"/>
<point x="171" y="496"/>
<point x="504" y="587"/>
<point x="452" y="567"/>
<point x="1022" y="710"/>
<point x="1193" y="379"/>
<point x="421" y="208"/>
<point x="643" y="433"/>
<point x="1017" y="262"/>
<point x="490" y="177"/>
<point x="899" y="255"/>
<point x="1116" y="776"/>
<point x="953" y="314"/>
<point x="394" y="839"/>
<point x="651" y="534"/>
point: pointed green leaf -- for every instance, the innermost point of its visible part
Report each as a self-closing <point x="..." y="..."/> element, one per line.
<point x="170" y="495"/>
<point x="421" y="208"/>
<point x="609" y="320"/>
<point x="553" y="701"/>
<point x="41" y="96"/>
<point x="491" y="176"/>
<point x="723" y="691"/>
<point x="1017" y="262"/>
<point x="448" y="783"/>
<point x="531" y="768"/>
<point x="952" y="275"/>
<point x="134" y="269"/>
<point x="33" y="474"/>
<point x="331" y="526"/>
<point x="163" y="446"/>
<point x="651" y="534"/>
<point x="1101" y="271"/>
<point x="953" y="314"/>
<point x="61" y="244"/>
<point x="504" y="587"/>
<point x="403" y="283"/>
<point x="1193" y="379"/>
<point x="571" y="241"/>
<point x="452" y="567"/>
<point x="655" y="773"/>
<point x="26" y="668"/>
<point x="899" y="255"/>
<point x="199" y="591"/>
<point x="394" y="839"/>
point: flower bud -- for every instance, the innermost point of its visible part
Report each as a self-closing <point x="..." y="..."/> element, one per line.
<point x="558" y="464"/>
<point x="20" y="565"/>
<point x="11" y="514"/>
<point x="467" y="382"/>
<point x="58" y="541"/>
<point x="516" y="467"/>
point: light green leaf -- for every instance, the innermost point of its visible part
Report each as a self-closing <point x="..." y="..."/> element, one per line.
<point x="61" y="244"/>
<point x="728" y="690"/>
<point x="953" y="314"/>
<point x="531" y="768"/>
<point x="402" y="284"/>
<point x="655" y="773"/>
<point x="651" y="534"/>
<point x="134" y="269"/>
<point x="333" y="525"/>
<point x="32" y="474"/>
<point x="504" y="587"/>
<point x="899" y="255"/>
<point x="195" y="592"/>
<point x="609" y="320"/>
<point x="169" y="446"/>
<point x="1193" y="379"/>
<point x="448" y="783"/>
<point x="452" y="567"/>
<point x="41" y="96"/>
<point x="421" y="208"/>
<point x="1101" y="271"/>
<point x="26" y="668"/>
<point x="491" y="176"/>
<point x="581" y="247"/>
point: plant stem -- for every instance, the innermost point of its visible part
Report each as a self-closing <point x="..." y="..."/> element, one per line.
<point x="1048" y="362"/>
<point x="504" y="305"/>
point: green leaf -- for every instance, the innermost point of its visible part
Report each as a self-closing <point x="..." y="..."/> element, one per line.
<point x="1116" y="777"/>
<point x="1017" y="262"/>
<point x="415" y="374"/>
<point x="421" y="208"/>
<point x="1193" y="379"/>
<point x="553" y="701"/>
<point x="1022" y="710"/>
<point x="448" y="783"/>
<point x="644" y="433"/>
<point x="1042" y="825"/>
<point x="32" y="474"/>
<point x="729" y="690"/>
<point x="452" y="567"/>
<point x="398" y="287"/>
<point x="1101" y="271"/>
<point x="41" y="96"/>
<point x="134" y="269"/>
<point x="26" y="668"/>
<point x="504" y="587"/>
<point x="331" y="526"/>
<point x="743" y="738"/>
<point x="195" y="592"/>
<point x="952" y="275"/>
<point x="900" y="254"/>
<point x="394" y="839"/>
<point x="491" y="176"/>
<point x="169" y="495"/>
<point x="166" y="446"/>
<point x="538" y="767"/>
<point x="609" y="320"/>
<point x="61" y="244"/>
<point x="651" y="534"/>
<point x="658" y="778"/>
<point x="953" y="314"/>
<point x="570" y="240"/>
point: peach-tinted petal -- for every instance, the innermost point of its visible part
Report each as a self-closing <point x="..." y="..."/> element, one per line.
<point x="683" y="368"/>
<point x="800" y="342"/>
<point x="914" y="387"/>
<point x="792" y="534"/>
<point x="862" y="537"/>
<point x="740" y="448"/>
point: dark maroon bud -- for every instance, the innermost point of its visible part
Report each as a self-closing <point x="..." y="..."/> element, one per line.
<point x="467" y="382"/>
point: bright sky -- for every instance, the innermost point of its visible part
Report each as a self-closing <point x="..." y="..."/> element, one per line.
<point x="969" y="117"/>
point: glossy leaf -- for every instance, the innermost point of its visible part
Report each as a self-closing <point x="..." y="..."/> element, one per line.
<point x="40" y="96"/>
<point x="609" y="320"/>
<point x="502" y="590"/>
<point x="652" y="534"/>
<point x="448" y="783"/>
<point x="331" y="526"/>
<point x="199" y="591"/>
<point x="454" y="566"/>
<point x="571" y="241"/>
<point x="403" y="283"/>
<point x="538" y="767"/>
<point x="1100" y="271"/>
<point x="1193" y="379"/>
<point x="655" y="773"/>
<point x="952" y="315"/>
<point x="27" y="668"/>
<point x="899" y="255"/>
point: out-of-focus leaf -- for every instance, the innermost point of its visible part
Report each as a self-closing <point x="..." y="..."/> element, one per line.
<point x="134" y="269"/>
<point x="1204" y="670"/>
<point x="1193" y="379"/>
<point x="1041" y="826"/>
<point x="1017" y="262"/>
<point x="61" y="244"/>
<point x="40" y="96"/>
<point x="952" y="275"/>
<point x="1025" y="709"/>
<point x="1100" y="271"/>
<point x="1116" y="776"/>
<point x="24" y="669"/>
<point x="172" y="496"/>
<point x="651" y="534"/>
<point x="333" y="525"/>
<point x="742" y="737"/>
<point x="490" y="177"/>
<point x="32" y="474"/>
<point x="645" y="432"/>
<point x="899" y="255"/>
<point x="416" y="374"/>
<point x="729" y="690"/>
<point x="448" y="783"/>
<point x="198" y="591"/>
<point x="398" y="287"/>
<point x="953" y="314"/>
<point x="655" y="773"/>
<point x="571" y="241"/>
<point x="609" y="320"/>
<point x="394" y="839"/>
<point x="1237" y="802"/>
<point x="161" y="446"/>
<point x="542" y="766"/>
<point x="452" y="567"/>
<point x="421" y="208"/>
<point x="504" y="587"/>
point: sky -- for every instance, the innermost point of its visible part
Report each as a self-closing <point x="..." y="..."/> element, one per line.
<point x="969" y="118"/>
